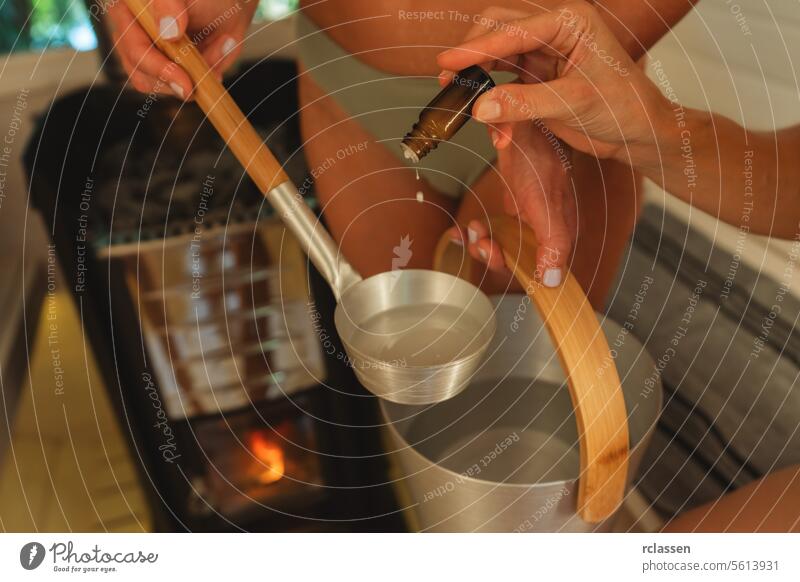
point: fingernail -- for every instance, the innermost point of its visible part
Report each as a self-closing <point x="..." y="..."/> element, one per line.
<point x="552" y="277"/>
<point x="483" y="254"/>
<point x="177" y="89"/>
<point x="472" y="236"/>
<point x="457" y="240"/>
<point x="228" y="46"/>
<point x="168" y="27"/>
<point x="488" y="110"/>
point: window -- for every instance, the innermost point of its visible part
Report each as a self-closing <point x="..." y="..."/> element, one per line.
<point x="41" y="24"/>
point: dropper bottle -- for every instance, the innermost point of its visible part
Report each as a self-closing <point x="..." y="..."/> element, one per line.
<point x="447" y="113"/>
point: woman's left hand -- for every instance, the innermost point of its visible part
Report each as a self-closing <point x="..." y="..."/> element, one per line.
<point x="535" y="168"/>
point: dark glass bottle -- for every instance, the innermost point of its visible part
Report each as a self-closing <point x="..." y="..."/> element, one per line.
<point x="447" y="113"/>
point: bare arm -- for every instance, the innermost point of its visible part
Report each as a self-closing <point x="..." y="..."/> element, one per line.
<point x="603" y="105"/>
<point x="749" y="179"/>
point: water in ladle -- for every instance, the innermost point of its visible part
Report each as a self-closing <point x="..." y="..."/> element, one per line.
<point x="420" y="335"/>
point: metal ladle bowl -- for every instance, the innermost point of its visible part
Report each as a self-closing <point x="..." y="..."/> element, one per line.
<point x="416" y="336"/>
<point x="412" y="337"/>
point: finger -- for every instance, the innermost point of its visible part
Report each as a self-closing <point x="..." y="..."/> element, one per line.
<point x="138" y="54"/>
<point x="512" y="102"/>
<point x="149" y="84"/>
<point x="223" y="51"/>
<point x="489" y="252"/>
<point x="501" y="134"/>
<point x="456" y="235"/>
<point x="445" y="78"/>
<point x="515" y="38"/>
<point x="476" y="230"/>
<point x="555" y="245"/>
<point x="171" y="16"/>
<point x="483" y="249"/>
<point x="491" y="19"/>
<point x="546" y="215"/>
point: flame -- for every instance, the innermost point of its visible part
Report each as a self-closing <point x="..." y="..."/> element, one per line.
<point x="271" y="455"/>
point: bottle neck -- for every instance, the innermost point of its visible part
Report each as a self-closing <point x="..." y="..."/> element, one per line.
<point x="446" y="113"/>
<point x="418" y="143"/>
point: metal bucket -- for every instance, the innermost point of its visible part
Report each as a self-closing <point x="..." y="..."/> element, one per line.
<point x="503" y="455"/>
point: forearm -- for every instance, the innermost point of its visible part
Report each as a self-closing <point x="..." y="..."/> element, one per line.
<point x="638" y="25"/>
<point x="745" y="178"/>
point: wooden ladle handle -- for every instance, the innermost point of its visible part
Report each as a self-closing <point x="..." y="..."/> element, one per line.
<point x="594" y="385"/>
<point x="262" y="167"/>
<point x="218" y="105"/>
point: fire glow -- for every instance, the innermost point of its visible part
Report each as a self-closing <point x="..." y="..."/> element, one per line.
<point x="271" y="457"/>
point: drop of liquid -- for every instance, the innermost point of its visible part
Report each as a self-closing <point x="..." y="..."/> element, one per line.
<point x="409" y="154"/>
<point x="420" y="195"/>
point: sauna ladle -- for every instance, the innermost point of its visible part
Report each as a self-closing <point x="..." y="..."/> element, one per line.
<point x="411" y="336"/>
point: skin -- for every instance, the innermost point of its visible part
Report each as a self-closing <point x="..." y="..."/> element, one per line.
<point x="770" y="504"/>
<point x="368" y="217"/>
<point x="700" y="157"/>
<point x="217" y="27"/>
<point x="369" y="214"/>
<point x="594" y="108"/>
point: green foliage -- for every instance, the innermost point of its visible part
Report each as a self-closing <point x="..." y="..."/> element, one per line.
<point x="39" y="24"/>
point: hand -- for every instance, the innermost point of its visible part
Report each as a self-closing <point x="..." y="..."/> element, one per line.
<point x="217" y="27"/>
<point x="535" y="168"/>
<point x="599" y="102"/>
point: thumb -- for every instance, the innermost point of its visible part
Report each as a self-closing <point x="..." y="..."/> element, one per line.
<point x="172" y="17"/>
<point x="513" y="102"/>
<point x="555" y="245"/>
<point x="551" y="258"/>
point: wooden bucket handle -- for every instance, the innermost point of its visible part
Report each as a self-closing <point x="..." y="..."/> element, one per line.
<point x="594" y="384"/>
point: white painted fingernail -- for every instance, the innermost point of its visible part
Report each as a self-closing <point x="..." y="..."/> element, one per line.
<point x="552" y="277"/>
<point x="488" y="110"/>
<point x="168" y="27"/>
<point x="458" y="241"/>
<point x="177" y="89"/>
<point x="228" y="46"/>
<point x="472" y="235"/>
<point x="483" y="254"/>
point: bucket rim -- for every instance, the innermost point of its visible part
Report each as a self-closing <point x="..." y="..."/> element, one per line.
<point x="604" y="320"/>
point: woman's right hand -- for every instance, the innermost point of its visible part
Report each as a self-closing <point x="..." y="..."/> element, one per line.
<point x="599" y="102"/>
<point x="217" y="27"/>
